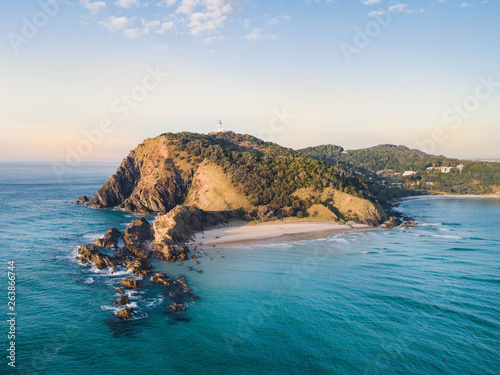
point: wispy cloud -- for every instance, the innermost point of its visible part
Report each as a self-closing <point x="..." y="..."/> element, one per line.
<point x="116" y="23"/>
<point x="276" y="20"/>
<point x="258" y="33"/>
<point x="127" y="3"/>
<point x="93" y="7"/>
<point x="398" y="8"/>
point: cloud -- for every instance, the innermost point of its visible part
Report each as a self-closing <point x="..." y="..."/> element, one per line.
<point x="166" y="26"/>
<point x="398" y="8"/>
<point x="376" y="13"/>
<point x="132" y="33"/>
<point x="370" y="2"/>
<point x="168" y="3"/>
<point x="465" y="5"/>
<point x="149" y="27"/>
<point x="116" y="23"/>
<point x="127" y="3"/>
<point x="278" y="19"/>
<point x="257" y="34"/>
<point x="94" y="7"/>
<point x="213" y="39"/>
<point x="205" y="16"/>
<point x="202" y="18"/>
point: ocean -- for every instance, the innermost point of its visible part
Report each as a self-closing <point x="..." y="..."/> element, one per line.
<point x="421" y="301"/>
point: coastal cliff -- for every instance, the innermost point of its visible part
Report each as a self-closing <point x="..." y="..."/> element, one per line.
<point x="228" y="172"/>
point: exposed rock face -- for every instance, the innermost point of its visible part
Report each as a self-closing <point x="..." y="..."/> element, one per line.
<point x="119" y="186"/>
<point x="160" y="278"/>
<point x="131" y="283"/>
<point x="138" y="267"/>
<point x="110" y="238"/>
<point x="126" y="313"/>
<point x="90" y="253"/>
<point x="180" y="224"/>
<point x="391" y="223"/>
<point x="82" y="200"/>
<point x="146" y="181"/>
<point x="123" y="301"/>
<point x="138" y="237"/>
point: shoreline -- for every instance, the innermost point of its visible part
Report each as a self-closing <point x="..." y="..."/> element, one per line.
<point x="270" y="233"/>
<point x="446" y="196"/>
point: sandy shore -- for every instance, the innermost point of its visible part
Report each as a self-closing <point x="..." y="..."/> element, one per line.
<point x="437" y="196"/>
<point x="271" y="233"/>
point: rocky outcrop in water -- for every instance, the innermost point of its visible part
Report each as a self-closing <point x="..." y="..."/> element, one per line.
<point x="160" y="278"/>
<point x="82" y="200"/>
<point x="110" y="238"/>
<point x="126" y="313"/>
<point x="123" y="301"/>
<point x="131" y="283"/>
<point x="138" y="237"/>
<point x="91" y="254"/>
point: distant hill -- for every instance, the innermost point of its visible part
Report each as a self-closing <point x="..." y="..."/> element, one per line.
<point x="238" y="173"/>
<point x="393" y="171"/>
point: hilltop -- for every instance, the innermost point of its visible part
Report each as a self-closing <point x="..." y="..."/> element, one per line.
<point x="237" y="174"/>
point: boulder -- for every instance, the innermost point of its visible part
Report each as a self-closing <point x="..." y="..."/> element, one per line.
<point x="160" y="278"/>
<point x="123" y="301"/>
<point x="126" y="313"/>
<point x="82" y="200"/>
<point x="110" y="238"/>
<point x="131" y="283"/>
<point x="138" y="237"/>
<point x="171" y="252"/>
<point x="138" y="267"/>
<point x="90" y="253"/>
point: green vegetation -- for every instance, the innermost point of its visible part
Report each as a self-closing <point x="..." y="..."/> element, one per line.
<point x="266" y="173"/>
<point x="383" y="168"/>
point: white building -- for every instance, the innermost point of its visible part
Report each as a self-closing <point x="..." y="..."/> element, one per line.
<point x="445" y="169"/>
<point x="220" y="129"/>
<point x="409" y="173"/>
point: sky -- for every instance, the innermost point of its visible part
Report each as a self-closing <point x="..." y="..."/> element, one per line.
<point x="88" y="80"/>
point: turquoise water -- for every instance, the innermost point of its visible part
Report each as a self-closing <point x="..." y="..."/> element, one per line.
<point x="423" y="301"/>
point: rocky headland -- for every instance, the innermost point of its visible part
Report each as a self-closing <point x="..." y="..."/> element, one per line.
<point x="193" y="182"/>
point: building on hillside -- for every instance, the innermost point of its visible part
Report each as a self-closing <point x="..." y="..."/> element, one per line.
<point x="445" y="169"/>
<point x="409" y="173"/>
<point x="220" y="129"/>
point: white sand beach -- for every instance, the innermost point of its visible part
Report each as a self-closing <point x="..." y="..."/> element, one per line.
<point x="272" y="232"/>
